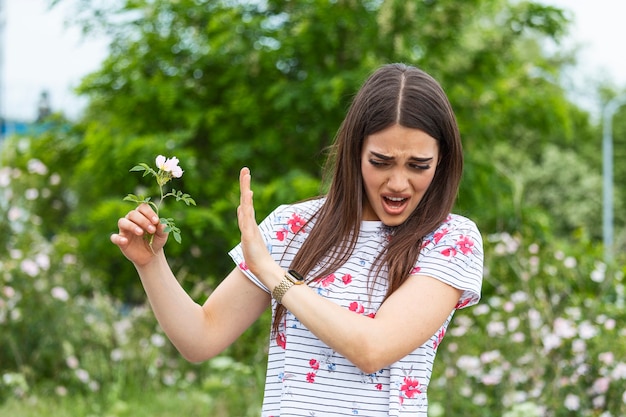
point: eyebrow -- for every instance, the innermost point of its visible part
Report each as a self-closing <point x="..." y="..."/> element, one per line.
<point x="389" y="158"/>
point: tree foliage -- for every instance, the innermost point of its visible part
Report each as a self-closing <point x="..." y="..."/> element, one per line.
<point x="223" y="84"/>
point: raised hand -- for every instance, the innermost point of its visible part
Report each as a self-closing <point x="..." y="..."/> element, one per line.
<point x="256" y="255"/>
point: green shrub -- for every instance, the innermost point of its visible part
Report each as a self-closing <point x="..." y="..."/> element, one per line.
<point x="545" y="339"/>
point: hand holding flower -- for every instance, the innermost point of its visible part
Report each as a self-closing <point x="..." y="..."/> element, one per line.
<point x="168" y="169"/>
<point x="133" y="229"/>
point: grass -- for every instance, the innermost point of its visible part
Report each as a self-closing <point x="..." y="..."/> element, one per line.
<point x="163" y="403"/>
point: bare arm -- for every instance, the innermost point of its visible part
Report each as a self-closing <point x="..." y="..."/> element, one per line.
<point x="405" y="321"/>
<point x="198" y="332"/>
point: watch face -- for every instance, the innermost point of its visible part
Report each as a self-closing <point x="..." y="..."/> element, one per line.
<point x="296" y="275"/>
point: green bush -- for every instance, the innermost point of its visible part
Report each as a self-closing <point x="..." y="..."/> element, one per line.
<point x="544" y="341"/>
<point x="62" y="334"/>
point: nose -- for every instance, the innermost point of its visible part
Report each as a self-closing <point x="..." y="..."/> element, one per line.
<point x="397" y="181"/>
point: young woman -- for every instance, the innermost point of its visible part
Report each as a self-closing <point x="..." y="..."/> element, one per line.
<point x="363" y="281"/>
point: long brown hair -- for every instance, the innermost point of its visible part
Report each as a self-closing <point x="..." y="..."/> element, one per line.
<point x="394" y="94"/>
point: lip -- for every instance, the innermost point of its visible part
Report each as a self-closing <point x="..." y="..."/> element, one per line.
<point x="394" y="205"/>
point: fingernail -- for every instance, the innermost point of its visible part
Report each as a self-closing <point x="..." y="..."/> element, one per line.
<point x="138" y="230"/>
<point x="151" y="229"/>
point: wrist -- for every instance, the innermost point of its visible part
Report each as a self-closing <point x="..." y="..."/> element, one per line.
<point x="289" y="279"/>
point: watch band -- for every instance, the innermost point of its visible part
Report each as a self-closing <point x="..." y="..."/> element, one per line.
<point x="290" y="279"/>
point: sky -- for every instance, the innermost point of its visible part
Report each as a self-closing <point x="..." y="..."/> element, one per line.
<point x="38" y="52"/>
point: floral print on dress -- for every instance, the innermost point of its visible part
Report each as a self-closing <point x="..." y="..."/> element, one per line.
<point x="439" y="338"/>
<point x="323" y="362"/>
<point x="295" y="224"/>
<point x="464" y="244"/>
<point x="410" y="388"/>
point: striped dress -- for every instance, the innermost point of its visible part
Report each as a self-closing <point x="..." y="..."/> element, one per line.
<point x="307" y="378"/>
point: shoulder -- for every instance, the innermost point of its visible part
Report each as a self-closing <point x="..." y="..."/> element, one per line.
<point x="457" y="236"/>
<point x="454" y="224"/>
<point x="290" y="219"/>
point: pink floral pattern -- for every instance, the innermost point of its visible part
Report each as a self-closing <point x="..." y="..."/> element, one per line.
<point x="409" y="388"/>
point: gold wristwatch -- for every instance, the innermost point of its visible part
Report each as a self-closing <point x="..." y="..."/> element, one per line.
<point x="290" y="279"/>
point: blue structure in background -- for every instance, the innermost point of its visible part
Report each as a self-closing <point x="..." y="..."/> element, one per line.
<point x="10" y="127"/>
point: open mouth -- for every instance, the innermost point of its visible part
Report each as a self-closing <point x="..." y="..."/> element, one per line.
<point x="395" y="202"/>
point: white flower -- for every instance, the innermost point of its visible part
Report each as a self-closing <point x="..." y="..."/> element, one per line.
<point x="82" y="375"/>
<point x="157" y="340"/>
<point x="169" y="165"/>
<point x="29" y="267"/>
<point x="572" y="402"/>
<point x="35" y="166"/>
<point x="60" y="293"/>
<point x="72" y="362"/>
<point x="160" y="162"/>
<point x="31" y="194"/>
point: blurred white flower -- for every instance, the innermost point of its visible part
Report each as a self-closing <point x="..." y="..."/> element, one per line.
<point x="15" y="213"/>
<point x="579" y="346"/>
<point x="35" y="166"/>
<point x="572" y="402"/>
<point x="513" y="323"/>
<point x="601" y="385"/>
<point x="480" y="398"/>
<point x="8" y="292"/>
<point x="606" y="357"/>
<point x="31" y="194"/>
<point x="551" y="341"/>
<point x="29" y="267"/>
<point x="69" y="259"/>
<point x="518" y="337"/>
<point x="157" y="340"/>
<point x="82" y="375"/>
<point x="72" y="362"/>
<point x="43" y="260"/>
<point x="468" y="363"/>
<point x="598" y="274"/>
<point x="117" y="355"/>
<point x="570" y="262"/>
<point x="55" y="179"/>
<point x="564" y="328"/>
<point x="481" y="309"/>
<point x="586" y="330"/>
<point x="619" y="372"/>
<point x="496" y="328"/>
<point x="490" y="356"/>
<point x="5" y="176"/>
<point x="60" y="293"/>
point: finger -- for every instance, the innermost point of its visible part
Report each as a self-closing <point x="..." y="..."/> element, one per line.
<point x="245" y="178"/>
<point x="128" y="227"/>
<point x="119" y="240"/>
<point x="139" y="220"/>
<point x="148" y="212"/>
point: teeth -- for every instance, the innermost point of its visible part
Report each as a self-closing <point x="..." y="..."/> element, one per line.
<point x="395" y="198"/>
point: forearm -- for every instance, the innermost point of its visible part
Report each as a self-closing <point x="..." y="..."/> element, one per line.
<point x="405" y="321"/>
<point x="348" y="333"/>
<point x="182" y="319"/>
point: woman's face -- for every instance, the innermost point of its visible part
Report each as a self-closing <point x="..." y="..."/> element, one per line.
<point x="397" y="164"/>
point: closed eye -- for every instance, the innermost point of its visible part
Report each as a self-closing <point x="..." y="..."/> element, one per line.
<point x="420" y="167"/>
<point x="379" y="164"/>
